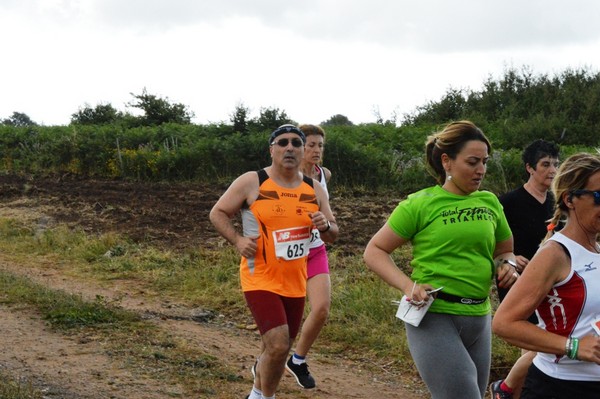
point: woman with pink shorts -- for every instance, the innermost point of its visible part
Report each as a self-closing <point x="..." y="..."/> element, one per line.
<point x="318" y="286"/>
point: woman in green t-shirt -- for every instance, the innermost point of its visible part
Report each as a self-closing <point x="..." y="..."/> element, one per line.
<point x="460" y="241"/>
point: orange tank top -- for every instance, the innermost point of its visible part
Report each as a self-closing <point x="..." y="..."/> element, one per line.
<point x="280" y="217"/>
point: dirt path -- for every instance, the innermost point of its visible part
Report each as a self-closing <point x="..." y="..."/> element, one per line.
<point x="76" y="367"/>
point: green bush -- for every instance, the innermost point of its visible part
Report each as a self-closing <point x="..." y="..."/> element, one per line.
<point x="370" y="156"/>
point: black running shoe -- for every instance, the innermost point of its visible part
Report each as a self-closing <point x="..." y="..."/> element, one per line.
<point x="497" y="392"/>
<point x="300" y="372"/>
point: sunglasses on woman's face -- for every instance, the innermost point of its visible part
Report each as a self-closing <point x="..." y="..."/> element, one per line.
<point x="284" y="142"/>
<point x="596" y="194"/>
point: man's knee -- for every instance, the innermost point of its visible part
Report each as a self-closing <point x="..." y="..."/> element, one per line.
<point x="278" y="348"/>
<point x="277" y="341"/>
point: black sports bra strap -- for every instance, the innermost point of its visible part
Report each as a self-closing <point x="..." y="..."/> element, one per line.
<point x="308" y="180"/>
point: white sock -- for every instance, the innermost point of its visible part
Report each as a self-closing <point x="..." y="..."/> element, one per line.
<point x="298" y="359"/>
<point x="255" y="394"/>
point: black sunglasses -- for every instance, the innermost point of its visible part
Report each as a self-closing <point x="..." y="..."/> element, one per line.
<point x="284" y="142"/>
<point x="596" y="194"/>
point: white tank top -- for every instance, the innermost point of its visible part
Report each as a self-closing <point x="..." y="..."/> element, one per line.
<point x="569" y="309"/>
<point x="315" y="240"/>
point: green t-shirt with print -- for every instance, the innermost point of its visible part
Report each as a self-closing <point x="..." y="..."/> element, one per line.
<point x="453" y="239"/>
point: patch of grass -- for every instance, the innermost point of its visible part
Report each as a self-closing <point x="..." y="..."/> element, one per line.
<point x="11" y="388"/>
<point x="206" y="278"/>
<point x="503" y="358"/>
<point x="61" y="309"/>
<point x="12" y="230"/>
<point x="201" y="277"/>
<point x="362" y="323"/>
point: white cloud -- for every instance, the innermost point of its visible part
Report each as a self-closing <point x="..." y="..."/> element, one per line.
<point x="426" y="25"/>
<point x="312" y="58"/>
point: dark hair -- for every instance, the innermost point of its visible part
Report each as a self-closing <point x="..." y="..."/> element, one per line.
<point x="286" y="129"/>
<point x="538" y="150"/>
<point x="450" y="141"/>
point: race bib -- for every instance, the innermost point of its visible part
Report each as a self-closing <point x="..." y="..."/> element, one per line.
<point x="314" y="235"/>
<point x="292" y="243"/>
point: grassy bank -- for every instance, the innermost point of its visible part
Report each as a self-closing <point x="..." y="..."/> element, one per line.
<point x="362" y="325"/>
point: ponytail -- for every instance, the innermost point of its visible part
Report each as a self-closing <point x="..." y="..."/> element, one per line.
<point x="553" y="223"/>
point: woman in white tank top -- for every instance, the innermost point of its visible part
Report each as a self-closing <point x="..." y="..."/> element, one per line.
<point x="562" y="284"/>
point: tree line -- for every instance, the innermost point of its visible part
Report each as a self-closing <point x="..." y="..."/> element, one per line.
<point x="163" y="143"/>
<point x="157" y="110"/>
<point x="522" y="105"/>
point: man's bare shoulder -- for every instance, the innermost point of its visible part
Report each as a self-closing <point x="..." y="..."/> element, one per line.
<point x="245" y="186"/>
<point x="246" y="178"/>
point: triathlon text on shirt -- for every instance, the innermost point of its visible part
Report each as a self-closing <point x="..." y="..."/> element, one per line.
<point x="457" y="215"/>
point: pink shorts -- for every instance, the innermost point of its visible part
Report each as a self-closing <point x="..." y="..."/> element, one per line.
<point x="271" y="310"/>
<point x="317" y="261"/>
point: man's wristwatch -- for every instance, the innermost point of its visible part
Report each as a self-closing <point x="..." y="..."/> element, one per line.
<point x="326" y="228"/>
<point x="510" y="262"/>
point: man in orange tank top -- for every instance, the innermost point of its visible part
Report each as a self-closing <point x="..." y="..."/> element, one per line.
<point x="279" y="208"/>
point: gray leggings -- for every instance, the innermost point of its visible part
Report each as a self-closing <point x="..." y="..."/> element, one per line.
<point x="452" y="354"/>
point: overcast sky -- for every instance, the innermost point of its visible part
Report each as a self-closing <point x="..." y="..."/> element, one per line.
<point x="311" y="58"/>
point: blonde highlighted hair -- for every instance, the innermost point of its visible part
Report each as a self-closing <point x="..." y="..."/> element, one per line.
<point x="310" y="130"/>
<point x="573" y="174"/>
